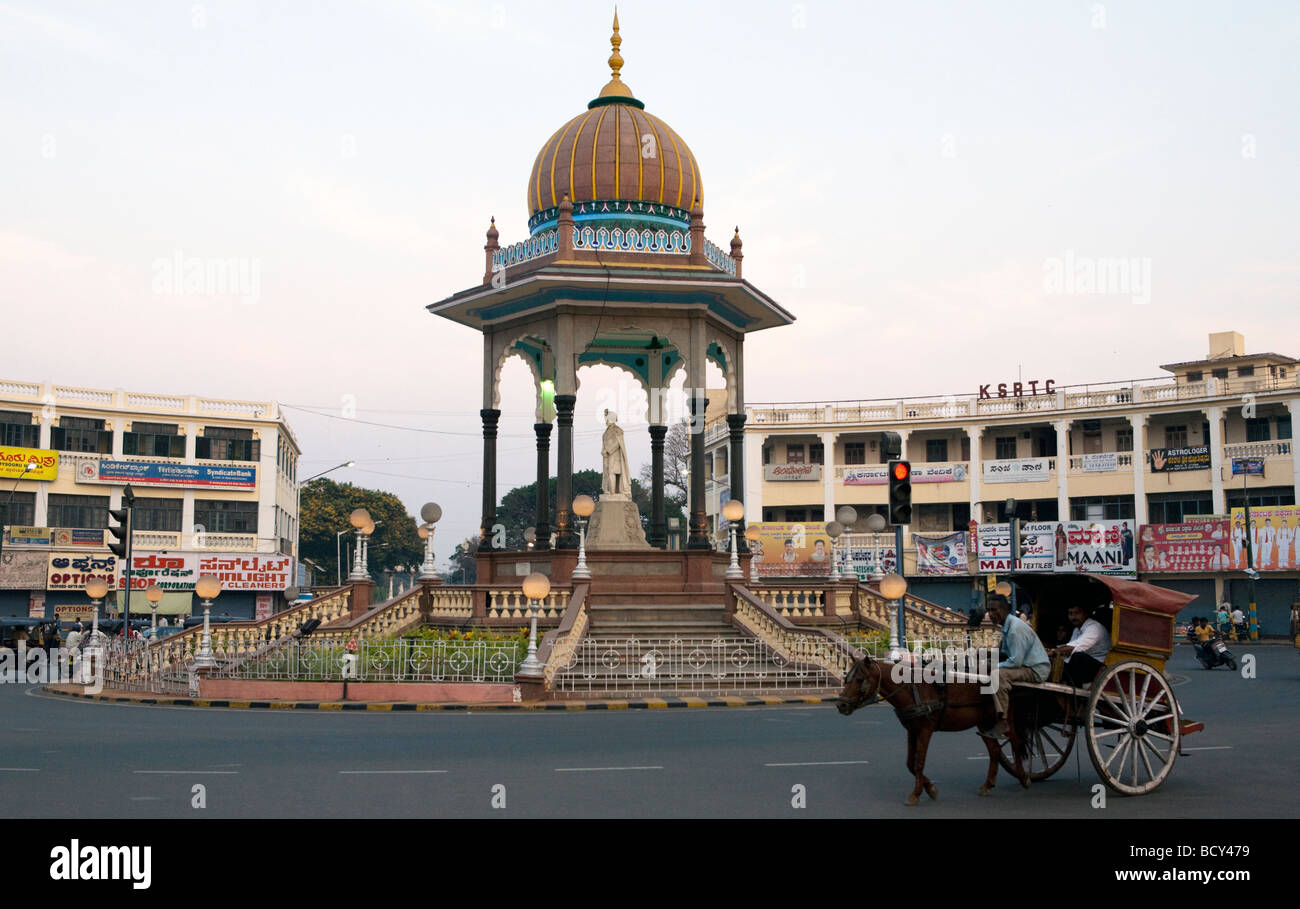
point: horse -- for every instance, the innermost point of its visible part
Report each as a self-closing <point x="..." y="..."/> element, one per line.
<point x="925" y="708"/>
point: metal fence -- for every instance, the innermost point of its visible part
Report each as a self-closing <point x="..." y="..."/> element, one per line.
<point x="687" y="666"/>
<point x="383" y="661"/>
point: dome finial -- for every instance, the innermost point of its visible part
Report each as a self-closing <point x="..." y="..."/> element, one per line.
<point x="615" y="87"/>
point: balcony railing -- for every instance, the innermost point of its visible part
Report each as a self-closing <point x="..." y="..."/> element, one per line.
<point x="1280" y="448"/>
<point x="1064" y="399"/>
<point x="1123" y="461"/>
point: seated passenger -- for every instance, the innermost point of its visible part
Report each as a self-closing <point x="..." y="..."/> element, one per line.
<point x="1085" y="654"/>
<point x="1024" y="658"/>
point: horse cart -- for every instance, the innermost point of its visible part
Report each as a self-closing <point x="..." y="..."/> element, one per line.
<point x="1128" y="716"/>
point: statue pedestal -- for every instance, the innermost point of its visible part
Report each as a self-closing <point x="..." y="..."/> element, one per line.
<point x="616" y="524"/>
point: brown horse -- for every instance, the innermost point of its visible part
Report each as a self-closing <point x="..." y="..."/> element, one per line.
<point x="925" y="708"/>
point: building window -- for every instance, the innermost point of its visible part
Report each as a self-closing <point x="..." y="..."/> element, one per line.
<point x="1124" y="439"/>
<point x="1101" y="508"/>
<point x="855" y="452"/>
<point x="162" y="515"/>
<point x="794" y="454"/>
<point x="78" y="511"/>
<point x="1245" y="370"/>
<point x="1264" y="497"/>
<point x="794" y="515"/>
<point x="1047" y="446"/>
<point x="1004" y="448"/>
<point x="17" y="429"/>
<point x="767" y="455"/>
<point x="1284" y="427"/>
<point x="817" y="453"/>
<point x="80" y="434"/>
<point x="936" y="450"/>
<point x="20" y="511"/>
<point x="155" y="440"/>
<point x="1175" y="437"/>
<point x="1219" y="373"/>
<point x="225" y="517"/>
<point x="223" y="443"/>
<point x="1175" y="508"/>
<point x="1257" y="429"/>
<point x="1196" y="376"/>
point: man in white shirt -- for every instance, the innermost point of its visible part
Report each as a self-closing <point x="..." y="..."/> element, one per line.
<point x="1085" y="654"/>
<point x="1266" y="536"/>
<point x="1285" y="534"/>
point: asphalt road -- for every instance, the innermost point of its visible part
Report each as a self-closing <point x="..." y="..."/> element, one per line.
<point x="63" y="758"/>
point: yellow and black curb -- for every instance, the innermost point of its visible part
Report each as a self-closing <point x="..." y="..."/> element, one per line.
<point x="407" y="706"/>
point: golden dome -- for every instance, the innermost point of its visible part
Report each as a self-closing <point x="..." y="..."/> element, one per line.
<point x="615" y="151"/>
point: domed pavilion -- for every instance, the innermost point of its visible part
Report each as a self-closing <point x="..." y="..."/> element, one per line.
<point x="615" y="269"/>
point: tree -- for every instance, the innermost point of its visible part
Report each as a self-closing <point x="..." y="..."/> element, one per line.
<point x="464" y="565"/>
<point x="518" y="510"/>
<point x="325" y="509"/>
<point x="677" y="463"/>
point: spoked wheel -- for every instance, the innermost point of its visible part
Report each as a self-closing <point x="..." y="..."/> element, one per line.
<point x="1047" y="745"/>
<point x="1133" y="729"/>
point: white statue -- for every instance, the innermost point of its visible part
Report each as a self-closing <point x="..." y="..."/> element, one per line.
<point x="615" y="476"/>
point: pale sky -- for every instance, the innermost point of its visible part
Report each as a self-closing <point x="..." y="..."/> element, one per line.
<point x="903" y="174"/>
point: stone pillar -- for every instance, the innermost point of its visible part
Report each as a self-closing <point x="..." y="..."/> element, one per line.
<point x="543" y="521"/>
<point x="1062" y="469"/>
<point x="736" y="474"/>
<point x="975" y="471"/>
<point x="490" y="417"/>
<point x="1139" y="424"/>
<point x="828" y="476"/>
<point x="565" y="537"/>
<point x="699" y="521"/>
<point x="1293" y="407"/>
<point x="1217" y="461"/>
<point x="658" y="520"/>
<point x="754" y="478"/>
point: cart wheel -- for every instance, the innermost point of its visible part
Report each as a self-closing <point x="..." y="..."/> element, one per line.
<point x="1047" y="748"/>
<point x="1133" y="729"/>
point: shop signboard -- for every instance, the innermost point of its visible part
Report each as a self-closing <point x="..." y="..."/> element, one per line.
<point x="878" y="474"/>
<point x="1199" y="545"/>
<point x="941" y="555"/>
<point x="792" y="550"/>
<point x="14" y="463"/>
<point x="1273" y="531"/>
<point x="72" y="570"/>
<point x="170" y="571"/>
<point x="249" y="572"/>
<point x="1021" y="470"/>
<point x="786" y="473"/>
<point x="190" y="476"/>
<point x="1173" y="460"/>
<point x="24" y="569"/>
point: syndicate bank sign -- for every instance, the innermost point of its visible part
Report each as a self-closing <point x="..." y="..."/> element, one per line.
<point x="789" y="472"/>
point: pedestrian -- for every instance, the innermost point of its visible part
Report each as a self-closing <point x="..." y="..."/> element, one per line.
<point x="1238" y="623"/>
<point x="1223" y="618"/>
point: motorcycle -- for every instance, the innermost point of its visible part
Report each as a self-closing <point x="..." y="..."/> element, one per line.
<point x="1216" y="653"/>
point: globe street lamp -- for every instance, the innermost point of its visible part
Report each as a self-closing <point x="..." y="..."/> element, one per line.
<point x="734" y="511"/>
<point x="154" y="594"/>
<point x="892" y="587"/>
<point x="752" y="534"/>
<point x="536" y="588"/>
<point x="583" y="506"/>
<point x="96" y="589"/>
<point x="833" y="530"/>
<point x="876" y="524"/>
<point x="848" y="516"/>
<point x="360" y="520"/>
<point x="431" y="514"/>
<point x="207" y="588"/>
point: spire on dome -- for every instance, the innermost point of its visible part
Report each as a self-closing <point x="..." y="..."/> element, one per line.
<point x="615" y="89"/>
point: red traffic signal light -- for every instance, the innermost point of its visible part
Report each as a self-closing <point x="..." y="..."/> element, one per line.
<point x="901" y="470"/>
<point x="900" y="492"/>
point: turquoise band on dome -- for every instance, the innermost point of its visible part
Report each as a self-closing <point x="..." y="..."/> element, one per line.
<point x="604" y="100"/>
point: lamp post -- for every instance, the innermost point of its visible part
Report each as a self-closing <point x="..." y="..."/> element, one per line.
<point x="752" y="534"/>
<point x="431" y="514"/>
<point x="360" y="520"/>
<point x="893" y="587"/>
<point x="154" y="594"/>
<point x="96" y="589"/>
<point x="833" y="530"/>
<point x="847" y="515"/>
<point x="583" y="506"/>
<point x="297" y="513"/>
<point x="536" y="588"/>
<point x="207" y="587"/>
<point x="734" y="512"/>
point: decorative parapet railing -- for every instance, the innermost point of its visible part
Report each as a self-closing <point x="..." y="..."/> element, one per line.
<point x="799" y="602"/>
<point x="536" y="246"/>
<point x="633" y="240"/>
<point x="719" y="259"/>
<point x="319" y="660"/>
<point x="397" y="615"/>
<point x="1064" y="399"/>
<point x="510" y="603"/>
<point x="50" y="393"/>
<point x="451" y="602"/>
<point x="1280" y="448"/>
<point x="238" y="639"/>
<point x="815" y="647"/>
<point x="559" y="646"/>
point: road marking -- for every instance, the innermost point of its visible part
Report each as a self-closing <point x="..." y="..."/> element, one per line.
<point x="393" y="771"/>
<point x="816" y="764"/>
<point x="21" y="769"/>
<point x="188" y="772"/>
<point x="146" y="798"/>
<point x="585" y="769"/>
<point x="1209" y="748"/>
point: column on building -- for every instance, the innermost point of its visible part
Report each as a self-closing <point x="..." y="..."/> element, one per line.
<point x="1218" y="501"/>
<point x="1139" y="423"/>
<point x="187" y="497"/>
<point x="975" y="472"/>
<point x="1293" y="406"/>
<point x="542" y="523"/>
<point x="1062" y="469"/>
<point x="40" y="517"/>
<point x="736" y="471"/>
<point x="658" y="536"/>
<point x="566" y="400"/>
<point x="490" y="415"/>
<point x="828" y="475"/>
<point x="754" y="476"/>
<point x="696" y="395"/>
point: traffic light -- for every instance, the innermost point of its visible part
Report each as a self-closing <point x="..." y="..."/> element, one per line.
<point x="900" y="492"/>
<point x="122" y="532"/>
